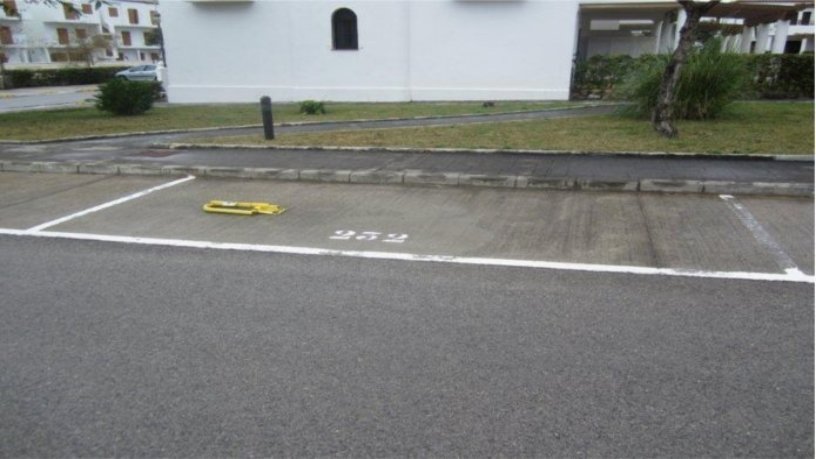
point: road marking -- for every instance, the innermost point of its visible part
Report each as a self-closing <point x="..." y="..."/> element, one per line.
<point x="782" y="259"/>
<point x="347" y="235"/>
<point x="587" y="267"/>
<point x="108" y="204"/>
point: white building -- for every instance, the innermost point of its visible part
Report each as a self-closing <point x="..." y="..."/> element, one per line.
<point x="401" y="50"/>
<point x="362" y="50"/>
<point x="43" y="34"/>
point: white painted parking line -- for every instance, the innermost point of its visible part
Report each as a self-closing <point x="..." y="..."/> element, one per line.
<point x="106" y="205"/>
<point x="762" y="236"/>
<point x="586" y="267"/>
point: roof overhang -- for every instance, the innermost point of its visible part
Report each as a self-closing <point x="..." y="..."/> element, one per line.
<point x="752" y="12"/>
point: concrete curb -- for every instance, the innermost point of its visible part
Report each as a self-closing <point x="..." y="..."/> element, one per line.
<point x="418" y="177"/>
<point x="488" y="151"/>
<point x="293" y="124"/>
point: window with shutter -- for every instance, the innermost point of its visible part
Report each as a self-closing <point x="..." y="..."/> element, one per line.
<point x="344" y="29"/>
<point x="5" y="36"/>
<point x="62" y="36"/>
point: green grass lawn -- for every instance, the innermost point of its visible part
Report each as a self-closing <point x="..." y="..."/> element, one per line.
<point x="747" y="127"/>
<point x="52" y="124"/>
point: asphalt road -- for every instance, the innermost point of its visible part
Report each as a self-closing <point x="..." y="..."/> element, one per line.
<point x="17" y="100"/>
<point x="112" y="350"/>
<point x="142" y="347"/>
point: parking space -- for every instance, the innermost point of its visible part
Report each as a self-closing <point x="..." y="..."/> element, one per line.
<point x="639" y="230"/>
<point x="790" y="223"/>
<point x="27" y="200"/>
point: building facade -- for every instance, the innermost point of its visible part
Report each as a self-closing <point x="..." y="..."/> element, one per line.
<point x="394" y="50"/>
<point x="426" y="50"/>
<point x="36" y="33"/>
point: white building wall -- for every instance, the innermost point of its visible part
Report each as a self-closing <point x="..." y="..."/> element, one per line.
<point x="476" y="50"/>
<point x="376" y="71"/>
<point x="408" y="50"/>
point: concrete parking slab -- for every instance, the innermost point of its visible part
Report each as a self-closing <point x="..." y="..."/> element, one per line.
<point x="692" y="230"/>
<point x="27" y="200"/>
<point x="790" y="223"/>
<point x="673" y="231"/>
<point x="460" y="222"/>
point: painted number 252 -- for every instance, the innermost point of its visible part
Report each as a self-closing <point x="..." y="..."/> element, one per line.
<point x="348" y="235"/>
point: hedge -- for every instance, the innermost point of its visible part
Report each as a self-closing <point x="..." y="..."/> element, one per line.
<point x="23" y="78"/>
<point x="784" y="76"/>
<point x="773" y="76"/>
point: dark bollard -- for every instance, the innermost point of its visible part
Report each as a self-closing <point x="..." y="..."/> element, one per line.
<point x="266" y="113"/>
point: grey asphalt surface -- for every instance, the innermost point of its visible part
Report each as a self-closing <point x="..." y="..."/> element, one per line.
<point x="115" y="350"/>
<point x="16" y="100"/>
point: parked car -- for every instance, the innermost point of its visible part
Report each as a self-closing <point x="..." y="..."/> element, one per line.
<point x="148" y="72"/>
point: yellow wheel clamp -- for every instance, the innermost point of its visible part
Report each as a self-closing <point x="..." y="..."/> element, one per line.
<point x="243" y="208"/>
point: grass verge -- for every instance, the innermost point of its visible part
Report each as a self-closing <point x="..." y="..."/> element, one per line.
<point x="54" y="124"/>
<point x="746" y="127"/>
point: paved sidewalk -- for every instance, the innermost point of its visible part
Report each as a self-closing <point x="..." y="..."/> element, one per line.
<point x="528" y="170"/>
<point x="552" y="171"/>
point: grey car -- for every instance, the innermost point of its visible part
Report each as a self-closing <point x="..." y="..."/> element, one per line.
<point x="148" y="72"/>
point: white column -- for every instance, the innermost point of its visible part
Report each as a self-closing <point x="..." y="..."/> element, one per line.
<point x="747" y="38"/>
<point x="668" y="35"/>
<point x="780" y="36"/>
<point x="728" y="43"/>
<point x="658" y="34"/>
<point x="804" y="46"/>
<point x="681" y="20"/>
<point x="762" y="36"/>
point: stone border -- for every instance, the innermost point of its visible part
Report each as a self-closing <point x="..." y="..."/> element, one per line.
<point x="487" y="151"/>
<point x="419" y="177"/>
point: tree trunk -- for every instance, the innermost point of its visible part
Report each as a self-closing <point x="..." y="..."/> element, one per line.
<point x="663" y="114"/>
<point x="2" y="74"/>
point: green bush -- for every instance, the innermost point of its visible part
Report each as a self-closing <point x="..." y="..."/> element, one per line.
<point x="596" y="77"/>
<point x="19" y="78"/>
<point x="710" y="80"/>
<point x="122" y="97"/>
<point x="781" y="76"/>
<point x="26" y="78"/>
<point x="312" y="107"/>
<point x="770" y="76"/>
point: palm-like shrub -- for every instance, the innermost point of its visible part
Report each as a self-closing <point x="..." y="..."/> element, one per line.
<point x="710" y="80"/>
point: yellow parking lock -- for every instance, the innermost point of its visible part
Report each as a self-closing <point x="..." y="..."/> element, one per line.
<point x="243" y="208"/>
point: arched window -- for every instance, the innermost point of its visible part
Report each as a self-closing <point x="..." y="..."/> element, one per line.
<point x="344" y="29"/>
